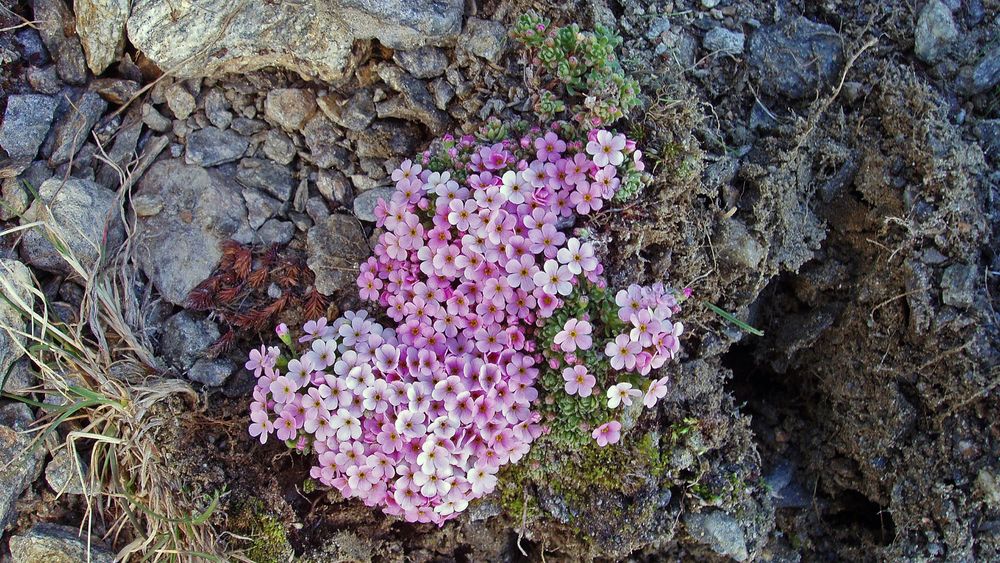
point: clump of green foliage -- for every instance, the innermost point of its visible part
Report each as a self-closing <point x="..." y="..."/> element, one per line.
<point x="578" y="64"/>
<point x="268" y="540"/>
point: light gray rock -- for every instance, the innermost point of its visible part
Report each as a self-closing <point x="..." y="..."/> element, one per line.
<point x="54" y="24"/>
<point x="986" y="74"/>
<point x="16" y="192"/>
<point x="425" y="62"/>
<point x="26" y="123"/>
<point x="21" y="377"/>
<point x="365" y="202"/>
<point x="415" y="103"/>
<point x="277" y="232"/>
<point x="486" y="39"/>
<point x="62" y="473"/>
<point x="334" y="186"/>
<point x="958" y="285"/>
<point x="85" y="213"/>
<point x="212" y="372"/>
<point x="278" y="147"/>
<point x="154" y="119"/>
<point x="15" y="279"/>
<point x="736" y="246"/>
<point x="21" y="464"/>
<point x="186" y="336"/>
<point x="45" y="79"/>
<point x="212" y="146"/>
<point x="321" y="138"/>
<point x="935" y="31"/>
<point x="74" y="128"/>
<point x="260" y="207"/>
<point x="719" y="531"/>
<point x="722" y="40"/>
<point x="100" y="24"/>
<point x="267" y="176"/>
<point x="180" y="101"/>
<point x="355" y="113"/>
<point x="336" y="248"/>
<point x="290" y="108"/>
<point x="795" y="57"/>
<point x="314" y="38"/>
<point x="199" y="210"/>
<point x="217" y="109"/>
<point x="52" y="543"/>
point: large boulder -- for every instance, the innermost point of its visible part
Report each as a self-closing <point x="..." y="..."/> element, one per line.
<point x="312" y="37"/>
<point x="184" y="214"/>
<point x="85" y="214"/>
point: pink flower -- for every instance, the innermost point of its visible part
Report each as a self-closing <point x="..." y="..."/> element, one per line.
<point x="554" y="279"/>
<point x="607" y="149"/>
<point x="575" y="334"/>
<point x="622" y="352"/>
<point x="587" y="197"/>
<point x="261" y="425"/>
<point x="578" y="381"/>
<point x="608" y="433"/>
<point x="656" y="391"/>
<point x="621" y="394"/>
<point x="549" y="147"/>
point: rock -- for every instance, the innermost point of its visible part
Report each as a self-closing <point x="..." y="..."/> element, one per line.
<point x="154" y="119"/>
<point x="336" y="247"/>
<point x="52" y="543"/>
<point x="180" y="101"/>
<point x="277" y="232"/>
<point x="719" y="531"/>
<point x="100" y="24"/>
<point x="314" y="38"/>
<point x="268" y="176"/>
<point x="21" y="377"/>
<point x="74" y="129"/>
<point x="15" y="191"/>
<point x="278" y="147"/>
<point x="290" y="108"/>
<point x="736" y="246"/>
<point x="45" y="80"/>
<point x="62" y="473"/>
<point x="217" y="109"/>
<point x="785" y="488"/>
<point x="31" y="46"/>
<point x="958" y="285"/>
<point x="26" y="123"/>
<point x="322" y="137"/>
<point x="87" y="216"/>
<point x="720" y="173"/>
<point x="365" y="202"/>
<point x="796" y="57"/>
<point x="212" y="146"/>
<point x="935" y="31"/>
<point x="486" y="39"/>
<point x="388" y="138"/>
<point x="21" y="464"/>
<point x="122" y="150"/>
<point x="260" y="207"/>
<point x="709" y="4"/>
<point x="115" y="90"/>
<point x="179" y="247"/>
<point x="15" y="280"/>
<point x="657" y="27"/>
<point x="443" y="93"/>
<point x="56" y="26"/>
<point x="425" y="62"/>
<point x="334" y="186"/>
<point x="721" y="40"/>
<point x="316" y="209"/>
<point x="986" y="74"/>
<point x="354" y="114"/>
<point x="186" y="336"/>
<point x="212" y="372"/>
<point x="247" y="127"/>
<point x="988" y="131"/>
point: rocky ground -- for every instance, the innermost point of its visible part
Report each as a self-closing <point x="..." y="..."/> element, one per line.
<point x="827" y="170"/>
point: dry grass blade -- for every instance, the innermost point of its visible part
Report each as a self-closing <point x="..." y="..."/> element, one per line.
<point x="101" y="386"/>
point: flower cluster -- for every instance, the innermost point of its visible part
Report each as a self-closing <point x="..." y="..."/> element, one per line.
<point x="420" y="431"/>
<point x="653" y="338"/>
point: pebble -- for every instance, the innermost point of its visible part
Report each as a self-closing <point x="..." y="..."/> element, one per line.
<point x="268" y="176"/>
<point x="935" y="31"/>
<point x="154" y="119"/>
<point x="486" y="39"/>
<point x="180" y="101"/>
<point x="212" y="146"/>
<point x="26" y="123"/>
<point x="425" y="62"/>
<point x="74" y="128"/>
<point x="277" y="232"/>
<point x="278" y="147"/>
<point x="217" y="109"/>
<point x="724" y="41"/>
<point x="355" y="113"/>
<point x="365" y="202"/>
<point x="290" y="108"/>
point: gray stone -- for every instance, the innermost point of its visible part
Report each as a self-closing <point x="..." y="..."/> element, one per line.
<point x="988" y="131"/>
<point x="795" y="58"/>
<point x="268" y="176"/>
<point x="388" y="138"/>
<point x="736" y="246"/>
<point x="260" y="207"/>
<point x="443" y="93"/>
<point x="425" y="62"/>
<point x="15" y="280"/>
<point x="958" y="285"/>
<point x="719" y="531"/>
<point x="154" y="119"/>
<point x="721" y="40"/>
<point x="322" y="139"/>
<point x="316" y="209"/>
<point x="365" y="202"/>
<point x="986" y="73"/>
<point x="181" y="103"/>
<point x="55" y="22"/>
<point x="314" y="38"/>
<point x="52" y="543"/>
<point x="100" y="24"/>
<point x="277" y="232"/>
<point x="212" y="146"/>
<point x="74" y="128"/>
<point x="115" y="90"/>
<point x="935" y="31"/>
<point x="21" y="464"/>
<point x="44" y="80"/>
<point x="709" y="4"/>
<point x="20" y="378"/>
<point x="217" y="109"/>
<point x="278" y="147"/>
<point x="486" y="39"/>
<point x="31" y="46"/>
<point x="26" y="123"/>
<point x="334" y="186"/>
<point x="86" y="216"/>
<point x="290" y="108"/>
<point x="245" y="126"/>
<point x="186" y="336"/>
<point x="16" y="192"/>
<point x="336" y="248"/>
<point x="657" y="28"/>
<point x="354" y="113"/>
<point x="180" y="246"/>
<point x="212" y="372"/>
<point x="62" y="473"/>
<point x="122" y="151"/>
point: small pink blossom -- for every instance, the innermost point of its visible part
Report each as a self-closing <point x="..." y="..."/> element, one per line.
<point x="608" y="433"/>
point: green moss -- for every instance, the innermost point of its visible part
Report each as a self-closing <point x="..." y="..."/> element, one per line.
<point x="268" y="540"/>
